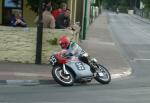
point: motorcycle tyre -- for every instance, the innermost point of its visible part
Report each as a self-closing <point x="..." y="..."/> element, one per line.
<point x="102" y="81"/>
<point x="61" y="82"/>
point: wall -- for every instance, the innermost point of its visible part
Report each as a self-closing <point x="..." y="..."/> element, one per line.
<point x="0" y="11"/>
<point x="19" y="44"/>
<point x="79" y="11"/>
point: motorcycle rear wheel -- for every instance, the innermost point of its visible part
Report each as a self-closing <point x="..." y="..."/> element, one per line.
<point x="103" y="75"/>
<point x="61" y="78"/>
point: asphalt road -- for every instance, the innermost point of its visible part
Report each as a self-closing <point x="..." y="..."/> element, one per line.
<point x="132" y="37"/>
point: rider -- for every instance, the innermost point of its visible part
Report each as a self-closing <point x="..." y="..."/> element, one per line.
<point x="117" y="10"/>
<point x="73" y="49"/>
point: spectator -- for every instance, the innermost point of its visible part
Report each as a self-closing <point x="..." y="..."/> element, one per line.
<point x="48" y="19"/>
<point x="17" y="21"/>
<point x="59" y="11"/>
<point x="63" y="20"/>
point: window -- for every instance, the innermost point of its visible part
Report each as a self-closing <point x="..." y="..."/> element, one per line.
<point x="12" y="3"/>
<point x="9" y="8"/>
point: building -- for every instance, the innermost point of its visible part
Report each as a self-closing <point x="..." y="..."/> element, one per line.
<point x="80" y="12"/>
<point x="7" y="7"/>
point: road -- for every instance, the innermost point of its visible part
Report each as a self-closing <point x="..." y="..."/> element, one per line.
<point x="132" y="37"/>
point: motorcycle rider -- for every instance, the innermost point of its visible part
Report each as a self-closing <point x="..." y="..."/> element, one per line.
<point x="117" y="10"/>
<point x="73" y="49"/>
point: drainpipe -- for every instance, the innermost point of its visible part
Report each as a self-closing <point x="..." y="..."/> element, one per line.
<point x="70" y="4"/>
<point x="74" y="15"/>
<point x="85" y="19"/>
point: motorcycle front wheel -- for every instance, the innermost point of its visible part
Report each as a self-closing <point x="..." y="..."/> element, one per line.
<point x="102" y="75"/>
<point x="61" y="78"/>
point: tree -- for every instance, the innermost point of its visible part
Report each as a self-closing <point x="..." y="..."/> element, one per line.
<point x="147" y="4"/>
<point x="98" y="3"/>
<point x="122" y="4"/>
<point x="34" y="3"/>
<point x="111" y="4"/>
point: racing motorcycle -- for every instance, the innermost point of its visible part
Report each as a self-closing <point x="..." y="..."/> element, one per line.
<point x="68" y="70"/>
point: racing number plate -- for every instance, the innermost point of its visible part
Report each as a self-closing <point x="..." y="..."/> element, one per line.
<point x="80" y="66"/>
<point x="53" y="60"/>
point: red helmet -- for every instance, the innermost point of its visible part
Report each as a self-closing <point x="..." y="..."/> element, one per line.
<point x="64" y="42"/>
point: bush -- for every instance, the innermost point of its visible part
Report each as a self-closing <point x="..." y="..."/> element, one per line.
<point x="34" y="4"/>
<point x="123" y="9"/>
<point x="53" y="41"/>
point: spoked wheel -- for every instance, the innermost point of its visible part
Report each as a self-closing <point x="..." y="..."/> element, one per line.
<point x="103" y="75"/>
<point x="61" y="78"/>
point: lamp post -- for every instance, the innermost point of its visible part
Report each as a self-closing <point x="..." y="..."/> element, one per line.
<point x="85" y="19"/>
<point x="39" y="34"/>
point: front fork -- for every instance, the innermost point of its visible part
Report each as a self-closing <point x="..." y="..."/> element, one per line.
<point x="95" y="69"/>
<point x="64" y="70"/>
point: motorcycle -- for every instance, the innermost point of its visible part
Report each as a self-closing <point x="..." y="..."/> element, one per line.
<point x="69" y="70"/>
<point x="117" y="11"/>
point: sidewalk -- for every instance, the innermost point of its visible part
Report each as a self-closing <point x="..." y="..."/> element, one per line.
<point x="25" y="74"/>
<point x="98" y="44"/>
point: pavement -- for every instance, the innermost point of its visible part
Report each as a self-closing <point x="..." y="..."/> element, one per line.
<point x="99" y="44"/>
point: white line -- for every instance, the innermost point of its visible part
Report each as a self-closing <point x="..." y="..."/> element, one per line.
<point x="140" y="59"/>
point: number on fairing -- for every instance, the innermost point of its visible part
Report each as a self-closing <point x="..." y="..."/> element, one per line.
<point x="80" y="66"/>
<point x="53" y="60"/>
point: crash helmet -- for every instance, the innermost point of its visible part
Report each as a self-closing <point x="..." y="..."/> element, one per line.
<point x="64" y="42"/>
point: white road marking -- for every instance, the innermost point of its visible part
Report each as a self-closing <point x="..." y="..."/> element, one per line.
<point x="140" y="59"/>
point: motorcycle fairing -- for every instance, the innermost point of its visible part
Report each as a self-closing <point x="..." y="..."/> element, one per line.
<point x="81" y="69"/>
